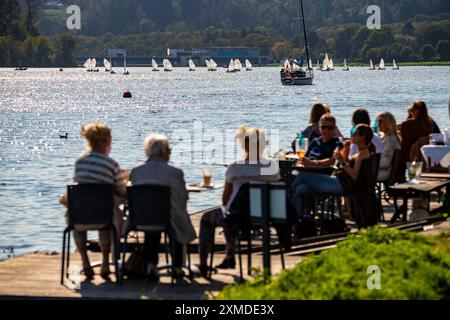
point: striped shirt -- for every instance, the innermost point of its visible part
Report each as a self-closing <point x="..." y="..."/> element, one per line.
<point x="94" y="167"/>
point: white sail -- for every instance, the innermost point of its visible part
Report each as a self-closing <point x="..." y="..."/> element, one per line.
<point x="326" y="63"/>
<point x="167" y="65"/>
<point x="191" y="65"/>
<point x="318" y="65"/>
<point x="231" y="66"/>
<point x="345" y="64"/>
<point x="310" y="65"/>
<point x="107" y="65"/>
<point x="331" y="65"/>
<point x="382" y="63"/>
<point x="395" y="64"/>
<point x="213" y="64"/>
<point x="371" y="64"/>
<point x="87" y="64"/>
<point x="286" y="64"/>
<point x="208" y="64"/>
<point x="93" y="63"/>
<point x="248" y="64"/>
<point x="237" y="65"/>
<point x="154" y="65"/>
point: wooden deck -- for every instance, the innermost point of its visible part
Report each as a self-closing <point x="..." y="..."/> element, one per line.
<point x="36" y="275"/>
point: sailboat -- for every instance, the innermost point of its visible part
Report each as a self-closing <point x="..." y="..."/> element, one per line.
<point x="125" y="71"/>
<point x="371" y="65"/>
<point x="318" y="65"/>
<point x="154" y="65"/>
<point x="331" y="65"/>
<point x="326" y="65"/>
<point x="346" y="68"/>
<point x="381" y="66"/>
<point x="296" y="75"/>
<point x="94" y="65"/>
<point x="107" y="65"/>
<point x="191" y="65"/>
<point x="248" y="65"/>
<point x="87" y="64"/>
<point x="167" y="65"/>
<point x="237" y="65"/>
<point x="310" y="65"/>
<point x="395" y="66"/>
<point x="212" y="65"/>
<point x="231" y="66"/>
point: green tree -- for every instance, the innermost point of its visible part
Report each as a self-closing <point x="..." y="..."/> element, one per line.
<point x="427" y="52"/>
<point x="443" y="49"/>
<point x="66" y="54"/>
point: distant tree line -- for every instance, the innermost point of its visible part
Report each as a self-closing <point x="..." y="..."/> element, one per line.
<point x="32" y="33"/>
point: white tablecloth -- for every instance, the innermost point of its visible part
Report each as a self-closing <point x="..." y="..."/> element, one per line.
<point x="437" y="154"/>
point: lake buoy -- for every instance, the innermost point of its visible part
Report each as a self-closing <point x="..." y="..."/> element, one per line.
<point x="61" y="69"/>
<point x="127" y="94"/>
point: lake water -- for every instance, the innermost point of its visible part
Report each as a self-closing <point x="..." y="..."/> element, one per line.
<point x="38" y="105"/>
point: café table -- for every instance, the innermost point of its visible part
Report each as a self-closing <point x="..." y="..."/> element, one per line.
<point x="435" y="154"/>
<point x="198" y="187"/>
<point x="428" y="183"/>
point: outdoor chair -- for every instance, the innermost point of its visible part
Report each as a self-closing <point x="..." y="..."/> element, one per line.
<point x="90" y="207"/>
<point x="149" y="211"/>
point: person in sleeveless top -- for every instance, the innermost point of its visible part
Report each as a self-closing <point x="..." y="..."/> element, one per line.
<point x="356" y="174"/>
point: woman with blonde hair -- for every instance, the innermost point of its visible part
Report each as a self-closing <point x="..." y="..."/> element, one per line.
<point x="254" y="166"/>
<point x="391" y="142"/>
<point x="95" y="166"/>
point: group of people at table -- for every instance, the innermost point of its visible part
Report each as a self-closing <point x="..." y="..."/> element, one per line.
<point x="355" y="157"/>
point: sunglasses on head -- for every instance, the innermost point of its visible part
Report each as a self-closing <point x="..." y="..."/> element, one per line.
<point x="327" y="127"/>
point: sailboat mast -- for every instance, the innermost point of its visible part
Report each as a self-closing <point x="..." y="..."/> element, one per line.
<point x="304" y="32"/>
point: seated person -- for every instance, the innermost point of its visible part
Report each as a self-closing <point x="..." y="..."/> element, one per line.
<point x="321" y="150"/>
<point x="356" y="176"/>
<point x="312" y="131"/>
<point x="361" y="116"/>
<point x="391" y="143"/>
<point x="418" y="125"/>
<point x="94" y="166"/>
<point x="254" y="167"/>
<point x="157" y="171"/>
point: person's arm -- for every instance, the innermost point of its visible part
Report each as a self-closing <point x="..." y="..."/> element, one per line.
<point x="317" y="163"/>
<point x="227" y="191"/>
<point x="354" y="172"/>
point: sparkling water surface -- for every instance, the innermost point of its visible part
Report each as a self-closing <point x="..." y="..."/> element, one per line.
<point x="38" y="105"/>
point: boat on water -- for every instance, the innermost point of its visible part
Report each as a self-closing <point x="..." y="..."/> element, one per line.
<point x="318" y="65"/>
<point x="191" y="65"/>
<point x="293" y="74"/>
<point x="87" y="64"/>
<point x="381" y="66"/>
<point x="125" y="71"/>
<point x="167" y="65"/>
<point x="237" y="65"/>
<point x="21" y="68"/>
<point x="107" y="65"/>
<point x="154" y="65"/>
<point x="231" y="67"/>
<point x="371" y="65"/>
<point x="346" y="68"/>
<point x="211" y="65"/>
<point x="395" y="66"/>
<point x="327" y="64"/>
<point x="94" y="66"/>
<point x="248" y="65"/>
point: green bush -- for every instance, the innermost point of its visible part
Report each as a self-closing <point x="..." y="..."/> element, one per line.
<point x="412" y="267"/>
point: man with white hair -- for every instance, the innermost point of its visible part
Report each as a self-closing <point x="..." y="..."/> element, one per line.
<point x="157" y="171"/>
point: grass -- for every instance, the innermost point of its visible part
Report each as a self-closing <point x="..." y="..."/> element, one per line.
<point x="412" y="267"/>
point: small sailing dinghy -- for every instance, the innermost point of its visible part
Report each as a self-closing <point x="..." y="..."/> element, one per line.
<point x="292" y="74"/>
<point x="87" y="64"/>
<point x="331" y="65"/>
<point x="212" y="65"/>
<point x="346" y="68"/>
<point x="191" y="65"/>
<point x="318" y="65"/>
<point x="125" y="71"/>
<point x="326" y="66"/>
<point x="231" y="67"/>
<point x="381" y="65"/>
<point x="395" y="66"/>
<point x="371" y="65"/>
<point x="154" y="65"/>
<point x="167" y="65"/>
<point x="94" y="65"/>
<point x="237" y="65"/>
<point x="248" y="65"/>
<point x="107" y="65"/>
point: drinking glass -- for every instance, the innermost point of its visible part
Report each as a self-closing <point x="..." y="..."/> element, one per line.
<point x="207" y="177"/>
<point x="414" y="171"/>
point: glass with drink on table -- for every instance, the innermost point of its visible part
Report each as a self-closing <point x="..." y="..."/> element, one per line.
<point x="207" y="177"/>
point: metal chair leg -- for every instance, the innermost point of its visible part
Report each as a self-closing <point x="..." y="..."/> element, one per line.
<point x="165" y="248"/>
<point x="115" y="254"/>
<point x="209" y="272"/>
<point x="249" y="254"/>
<point x="283" y="266"/>
<point x="191" y="276"/>
<point x="68" y="253"/>
<point x="122" y="267"/>
<point x="240" y="257"/>
<point x="63" y="258"/>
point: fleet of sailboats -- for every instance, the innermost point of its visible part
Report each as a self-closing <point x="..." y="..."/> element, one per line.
<point x="328" y="64"/>
<point x="91" y="65"/>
